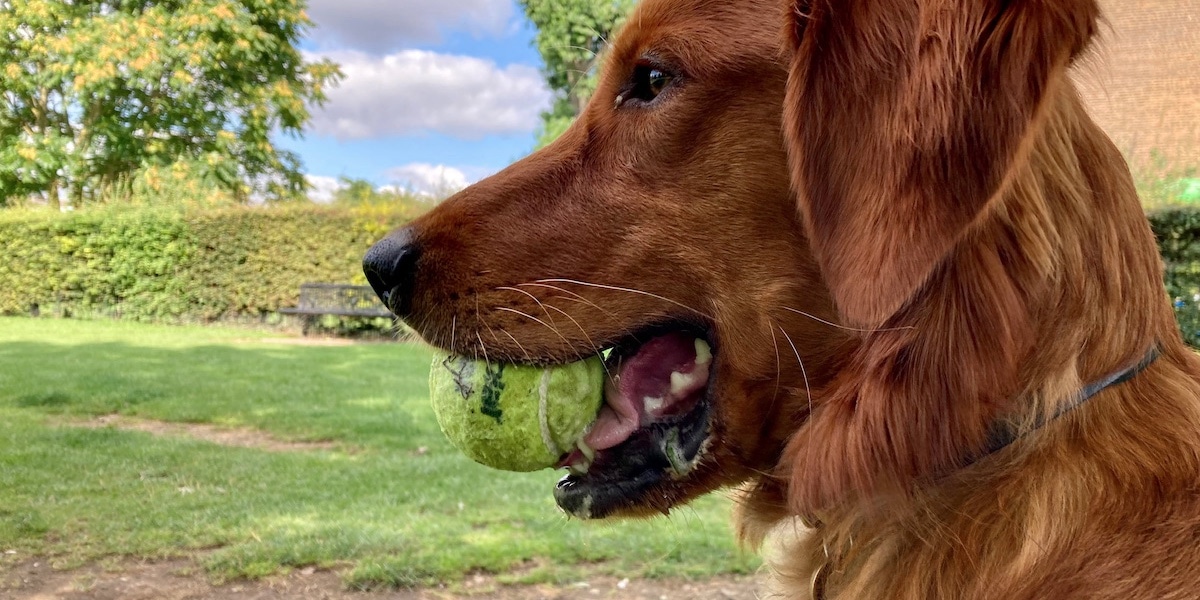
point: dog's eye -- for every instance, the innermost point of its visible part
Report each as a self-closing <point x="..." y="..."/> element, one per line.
<point x="648" y="83"/>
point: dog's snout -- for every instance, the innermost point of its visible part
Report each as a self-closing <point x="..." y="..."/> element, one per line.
<point x="390" y="266"/>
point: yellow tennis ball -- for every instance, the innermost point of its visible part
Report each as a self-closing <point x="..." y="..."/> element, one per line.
<point x="513" y="417"/>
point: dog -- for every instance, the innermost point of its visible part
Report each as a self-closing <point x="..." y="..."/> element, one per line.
<point x="870" y="263"/>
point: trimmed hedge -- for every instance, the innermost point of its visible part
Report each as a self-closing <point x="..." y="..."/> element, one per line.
<point x="1178" y="233"/>
<point x="165" y="264"/>
<point x="175" y="265"/>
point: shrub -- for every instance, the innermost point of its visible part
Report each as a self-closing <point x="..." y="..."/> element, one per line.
<point x="175" y="264"/>
<point x="1178" y="233"/>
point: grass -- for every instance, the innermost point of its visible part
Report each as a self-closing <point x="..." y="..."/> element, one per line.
<point x="391" y="504"/>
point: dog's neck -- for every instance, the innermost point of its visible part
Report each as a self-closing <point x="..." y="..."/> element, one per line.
<point x="1004" y="434"/>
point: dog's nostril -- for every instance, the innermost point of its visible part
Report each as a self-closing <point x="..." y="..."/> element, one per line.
<point x="390" y="266"/>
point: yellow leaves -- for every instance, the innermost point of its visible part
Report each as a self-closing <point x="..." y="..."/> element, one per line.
<point x="143" y="62"/>
<point x="12" y="70"/>
<point x="283" y="90"/>
<point x="222" y="11"/>
<point x="27" y="153"/>
<point x="182" y="77"/>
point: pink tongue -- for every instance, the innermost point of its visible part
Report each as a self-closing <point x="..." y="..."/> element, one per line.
<point x="639" y="391"/>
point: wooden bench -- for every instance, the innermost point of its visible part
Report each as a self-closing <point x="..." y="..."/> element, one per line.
<point x="317" y="299"/>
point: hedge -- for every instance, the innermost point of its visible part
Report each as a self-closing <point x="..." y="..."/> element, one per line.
<point x="1178" y="232"/>
<point x="205" y="265"/>
<point x="178" y="265"/>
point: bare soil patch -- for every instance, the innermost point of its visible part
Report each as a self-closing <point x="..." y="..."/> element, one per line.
<point x="184" y="580"/>
<point x="240" y="437"/>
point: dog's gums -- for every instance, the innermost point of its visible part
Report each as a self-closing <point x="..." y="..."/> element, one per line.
<point x="652" y="425"/>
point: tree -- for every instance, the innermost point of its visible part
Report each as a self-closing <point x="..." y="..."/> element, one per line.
<point x="93" y="91"/>
<point x="571" y="38"/>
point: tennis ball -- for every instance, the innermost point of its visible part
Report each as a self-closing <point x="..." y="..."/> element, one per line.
<point x="513" y="417"/>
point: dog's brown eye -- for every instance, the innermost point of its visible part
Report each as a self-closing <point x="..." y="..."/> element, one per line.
<point x="648" y="83"/>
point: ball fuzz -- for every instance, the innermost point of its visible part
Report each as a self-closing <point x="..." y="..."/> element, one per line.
<point x="512" y="417"/>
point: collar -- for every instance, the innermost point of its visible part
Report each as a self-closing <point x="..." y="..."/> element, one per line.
<point x="1003" y="436"/>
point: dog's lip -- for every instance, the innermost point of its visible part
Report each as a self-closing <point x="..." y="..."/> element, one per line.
<point x="660" y="450"/>
<point x="623" y="477"/>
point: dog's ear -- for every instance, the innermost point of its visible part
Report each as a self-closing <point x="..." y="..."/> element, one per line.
<point x="903" y="118"/>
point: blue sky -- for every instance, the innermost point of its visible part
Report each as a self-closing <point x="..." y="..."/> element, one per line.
<point x="438" y="93"/>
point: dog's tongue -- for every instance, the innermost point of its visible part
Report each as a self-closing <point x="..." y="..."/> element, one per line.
<point x="665" y="377"/>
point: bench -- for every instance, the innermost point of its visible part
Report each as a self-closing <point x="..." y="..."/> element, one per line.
<point x="342" y="300"/>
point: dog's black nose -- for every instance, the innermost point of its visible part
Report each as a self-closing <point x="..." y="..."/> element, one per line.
<point x="390" y="266"/>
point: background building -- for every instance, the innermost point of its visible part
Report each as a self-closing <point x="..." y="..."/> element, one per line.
<point x="1143" y="82"/>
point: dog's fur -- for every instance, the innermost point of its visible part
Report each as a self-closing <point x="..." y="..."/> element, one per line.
<point x="922" y="173"/>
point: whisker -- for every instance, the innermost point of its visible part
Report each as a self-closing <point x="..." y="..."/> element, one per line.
<point x="855" y="329"/>
<point x="628" y="290"/>
<point x="510" y="336"/>
<point x="528" y="316"/>
<point x="577" y="297"/>
<point x="778" y="367"/>
<point x="803" y="371"/>
<point x="482" y="348"/>
<point x="453" y="325"/>
<point x="531" y="297"/>
<point x="595" y="348"/>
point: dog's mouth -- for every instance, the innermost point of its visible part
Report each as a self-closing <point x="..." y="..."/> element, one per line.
<point x="652" y="428"/>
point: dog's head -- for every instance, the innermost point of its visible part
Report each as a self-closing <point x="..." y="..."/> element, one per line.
<point x="727" y="188"/>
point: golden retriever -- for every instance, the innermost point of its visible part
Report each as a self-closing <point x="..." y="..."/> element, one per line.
<point x="940" y="347"/>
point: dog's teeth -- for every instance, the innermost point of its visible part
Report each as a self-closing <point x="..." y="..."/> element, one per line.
<point x="653" y="404"/>
<point x="703" y="352"/>
<point x="680" y="382"/>
<point x="579" y="467"/>
<point x="587" y="451"/>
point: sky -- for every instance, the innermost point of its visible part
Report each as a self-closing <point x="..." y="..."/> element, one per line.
<point x="437" y="93"/>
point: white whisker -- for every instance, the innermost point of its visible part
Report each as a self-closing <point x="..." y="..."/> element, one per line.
<point x="778" y="367"/>
<point x="627" y="290"/>
<point x="803" y="371"/>
<point x="531" y="297"/>
<point x="595" y="348"/>
<point x="510" y="336"/>
<point x="482" y="348"/>
<point x="855" y="329"/>
<point x="577" y="297"/>
<point x="533" y="318"/>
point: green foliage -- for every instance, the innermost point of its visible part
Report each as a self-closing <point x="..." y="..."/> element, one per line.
<point x="1178" y="233"/>
<point x="90" y="92"/>
<point x="167" y="263"/>
<point x="571" y="38"/>
<point x="360" y="192"/>
<point x="1162" y="185"/>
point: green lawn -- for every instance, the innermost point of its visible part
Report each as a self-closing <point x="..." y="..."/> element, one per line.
<point x="391" y="504"/>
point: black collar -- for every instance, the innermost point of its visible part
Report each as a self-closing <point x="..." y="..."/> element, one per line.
<point x="1004" y="435"/>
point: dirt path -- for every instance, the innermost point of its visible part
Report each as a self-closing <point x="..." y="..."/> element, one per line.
<point x="183" y="580"/>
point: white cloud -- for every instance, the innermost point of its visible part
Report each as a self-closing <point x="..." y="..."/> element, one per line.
<point x="381" y="26"/>
<point x="415" y="91"/>
<point x="322" y="189"/>
<point x="438" y="181"/>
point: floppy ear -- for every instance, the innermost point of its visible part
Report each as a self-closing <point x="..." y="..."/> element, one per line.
<point x="903" y="118"/>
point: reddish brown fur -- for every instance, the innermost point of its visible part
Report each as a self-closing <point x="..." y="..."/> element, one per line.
<point x="979" y="235"/>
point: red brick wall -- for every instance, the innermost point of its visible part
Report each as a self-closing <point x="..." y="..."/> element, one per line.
<point x="1143" y="83"/>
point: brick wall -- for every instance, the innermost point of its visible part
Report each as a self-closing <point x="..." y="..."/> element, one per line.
<point x="1143" y="83"/>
